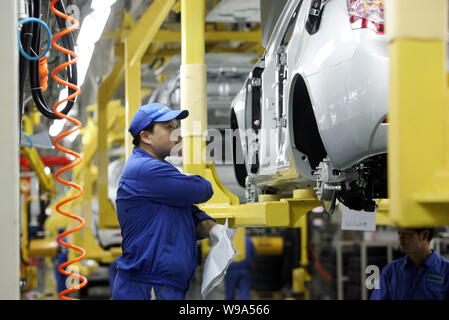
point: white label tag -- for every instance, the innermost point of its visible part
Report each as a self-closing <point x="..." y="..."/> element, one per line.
<point x="357" y="220"/>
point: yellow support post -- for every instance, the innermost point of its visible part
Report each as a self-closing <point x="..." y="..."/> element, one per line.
<point x="193" y="85"/>
<point x="133" y="97"/>
<point x="300" y="275"/>
<point x="193" y="98"/>
<point x="299" y="278"/>
<point x="418" y="137"/>
<point x="24" y="243"/>
<point x="106" y="215"/>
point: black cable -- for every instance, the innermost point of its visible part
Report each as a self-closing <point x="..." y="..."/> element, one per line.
<point x="72" y="76"/>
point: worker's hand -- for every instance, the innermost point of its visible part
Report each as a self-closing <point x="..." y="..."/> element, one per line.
<point x="218" y="231"/>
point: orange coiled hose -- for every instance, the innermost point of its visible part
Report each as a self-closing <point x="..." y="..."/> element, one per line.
<point x="61" y="268"/>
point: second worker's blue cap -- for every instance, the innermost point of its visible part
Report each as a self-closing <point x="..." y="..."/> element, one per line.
<point x="153" y="112"/>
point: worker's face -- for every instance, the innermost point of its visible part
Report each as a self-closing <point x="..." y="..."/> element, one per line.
<point x="164" y="137"/>
<point x="411" y="241"/>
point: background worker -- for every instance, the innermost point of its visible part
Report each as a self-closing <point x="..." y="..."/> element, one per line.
<point x="238" y="277"/>
<point x="420" y="275"/>
<point x="158" y="219"/>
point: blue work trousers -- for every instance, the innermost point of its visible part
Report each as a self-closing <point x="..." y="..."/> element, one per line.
<point x="125" y="289"/>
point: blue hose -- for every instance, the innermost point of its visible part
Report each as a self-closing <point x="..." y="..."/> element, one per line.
<point x="20" y="42"/>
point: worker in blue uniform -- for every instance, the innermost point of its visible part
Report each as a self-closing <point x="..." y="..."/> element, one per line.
<point x="420" y="275"/>
<point x="238" y="276"/>
<point x="159" y="221"/>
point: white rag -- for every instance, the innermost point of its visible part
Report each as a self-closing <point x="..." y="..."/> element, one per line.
<point x="217" y="262"/>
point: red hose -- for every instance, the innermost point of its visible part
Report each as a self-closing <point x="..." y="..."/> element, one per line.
<point x="61" y="268"/>
<point x="326" y="276"/>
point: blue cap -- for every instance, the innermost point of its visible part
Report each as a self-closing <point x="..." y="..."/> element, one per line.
<point x="153" y="112"/>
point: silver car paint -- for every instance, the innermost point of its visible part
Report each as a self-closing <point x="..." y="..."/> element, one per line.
<point x="346" y="74"/>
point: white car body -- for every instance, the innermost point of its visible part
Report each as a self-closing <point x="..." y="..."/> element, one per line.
<point x="343" y="73"/>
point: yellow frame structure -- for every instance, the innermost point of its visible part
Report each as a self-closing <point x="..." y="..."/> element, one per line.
<point x="418" y="138"/>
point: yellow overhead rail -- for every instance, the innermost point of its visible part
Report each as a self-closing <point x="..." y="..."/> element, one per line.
<point x="418" y="137"/>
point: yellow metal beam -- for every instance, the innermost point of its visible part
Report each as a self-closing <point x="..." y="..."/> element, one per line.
<point x="144" y="31"/>
<point x="106" y="215"/>
<point x="287" y="212"/>
<point x="268" y="245"/>
<point x="177" y="7"/>
<point x="418" y="137"/>
<point x="42" y="248"/>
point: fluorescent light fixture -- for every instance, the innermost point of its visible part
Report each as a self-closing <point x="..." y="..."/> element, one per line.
<point x="56" y="127"/>
<point x="63" y="94"/>
<point x="91" y="30"/>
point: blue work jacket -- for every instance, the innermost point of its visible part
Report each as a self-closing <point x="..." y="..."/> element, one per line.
<point x="157" y="216"/>
<point x="401" y="280"/>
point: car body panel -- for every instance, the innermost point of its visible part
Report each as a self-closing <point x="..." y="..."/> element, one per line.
<point x="323" y="108"/>
<point x="341" y="68"/>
